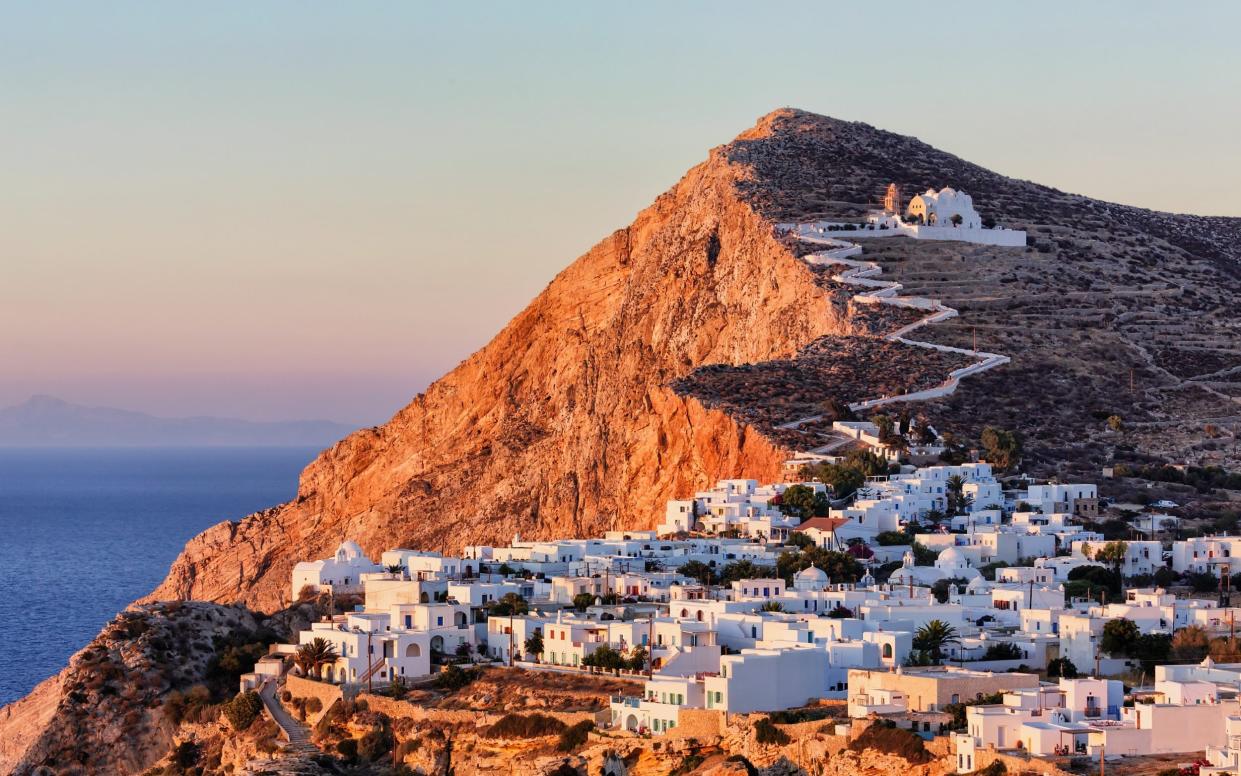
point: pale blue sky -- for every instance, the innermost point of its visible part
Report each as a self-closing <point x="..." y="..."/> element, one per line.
<point x="312" y="209"/>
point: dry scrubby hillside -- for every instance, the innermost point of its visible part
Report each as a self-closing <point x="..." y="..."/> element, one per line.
<point x="570" y="421"/>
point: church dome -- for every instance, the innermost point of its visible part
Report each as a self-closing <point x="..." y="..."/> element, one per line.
<point x="810" y="578"/>
<point x="951" y="558"/>
<point x="348" y="550"/>
<point x="812" y="573"/>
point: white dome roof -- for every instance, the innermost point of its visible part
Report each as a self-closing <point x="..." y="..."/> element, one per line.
<point x="951" y="557"/>
<point x="812" y="573"/>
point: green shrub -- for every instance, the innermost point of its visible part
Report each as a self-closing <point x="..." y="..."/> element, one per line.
<point x="243" y="709"/>
<point x="454" y="677"/>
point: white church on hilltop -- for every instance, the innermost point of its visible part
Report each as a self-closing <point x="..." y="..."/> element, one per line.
<point x="946" y="207"/>
<point x="947" y="214"/>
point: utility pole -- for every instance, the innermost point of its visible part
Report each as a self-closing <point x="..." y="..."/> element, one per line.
<point x="1102" y="751"/>
<point x="650" y="644"/>
<point x="510" y="638"/>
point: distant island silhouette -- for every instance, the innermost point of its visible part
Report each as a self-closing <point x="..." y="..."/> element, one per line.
<point x="46" y="421"/>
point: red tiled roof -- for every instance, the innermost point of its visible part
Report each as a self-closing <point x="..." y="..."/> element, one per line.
<point x="824" y="524"/>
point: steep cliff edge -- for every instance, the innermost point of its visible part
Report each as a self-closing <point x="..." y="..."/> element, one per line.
<point x="563" y="424"/>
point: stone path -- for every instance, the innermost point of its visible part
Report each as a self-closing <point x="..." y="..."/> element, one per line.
<point x="295" y="731"/>
<point x="862" y="274"/>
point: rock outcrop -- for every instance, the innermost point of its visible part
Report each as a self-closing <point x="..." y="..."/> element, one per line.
<point x="564" y="424"/>
<point x="118" y="705"/>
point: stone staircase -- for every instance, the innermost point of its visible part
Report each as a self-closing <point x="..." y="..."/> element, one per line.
<point x="296" y="732"/>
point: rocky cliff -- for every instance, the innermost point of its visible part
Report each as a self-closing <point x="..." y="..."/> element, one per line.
<point x="563" y="424"/>
<point x="117" y="707"/>
<point x="576" y="418"/>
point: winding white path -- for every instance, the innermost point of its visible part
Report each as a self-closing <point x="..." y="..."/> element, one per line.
<point x="862" y="274"/>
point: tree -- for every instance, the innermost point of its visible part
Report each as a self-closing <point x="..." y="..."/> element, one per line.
<point x="958" y="502"/>
<point x="799" y="540"/>
<point x="956" y="219"/>
<point x="804" y="502"/>
<point x="1113" y="553"/>
<point x="508" y="604"/>
<point x="314" y="655"/>
<point x="772" y="606"/>
<point x="534" y="645"/>
<point x="942" y="588"/>
<point x="696" y="569"/>
<point x="1003" y="650"/>
<point x="988" y="571"/>
<point x="1190" y="644"/>
<point x="745" y="569"/>
<point x="243" y="709"/>
<point x="839" y="566"/>
<point x="1115" y="423"/>
<point x="1061" y="667"/>
<point x="1003" y="448"/>
<point x="933" y="637"/>
<point x="394" y="568"/>
<point x="1119" y="636"/>
<point x="891" y="538"/>
<point x="923" y="555"/>
<point x="582" y="601"/>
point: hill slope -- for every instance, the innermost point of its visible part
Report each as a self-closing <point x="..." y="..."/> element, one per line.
<point x="568" y="422"/>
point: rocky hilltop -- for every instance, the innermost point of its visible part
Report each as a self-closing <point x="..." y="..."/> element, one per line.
<point x="585" y="413"/>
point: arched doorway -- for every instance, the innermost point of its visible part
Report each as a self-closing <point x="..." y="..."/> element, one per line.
<point x="631" y="723"/>
<point x="413" y="650"/>
<point x="342" y="675"/>
<point x="437" y="643"/>
<point x="423" y="598"/>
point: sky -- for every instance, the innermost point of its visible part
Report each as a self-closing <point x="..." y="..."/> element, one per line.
<point x="292" y="210"/>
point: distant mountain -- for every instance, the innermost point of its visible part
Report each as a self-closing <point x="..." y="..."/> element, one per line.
<point x="51" y="422"/>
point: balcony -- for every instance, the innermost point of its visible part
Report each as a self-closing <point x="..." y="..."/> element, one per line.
<point x="626" y="700"/>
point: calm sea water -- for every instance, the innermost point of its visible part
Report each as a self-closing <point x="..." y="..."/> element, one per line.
<point x="85" y="532"/>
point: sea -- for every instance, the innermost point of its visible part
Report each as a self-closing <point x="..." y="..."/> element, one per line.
<point x="84" y="532"/>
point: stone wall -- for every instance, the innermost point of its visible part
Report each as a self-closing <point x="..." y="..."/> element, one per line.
<point x="405" y="710"/>
<point x="702" y="724"/>
<point x="328" y="695"/>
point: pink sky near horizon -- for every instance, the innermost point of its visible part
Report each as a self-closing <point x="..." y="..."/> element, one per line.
<point x="308" y="210"/>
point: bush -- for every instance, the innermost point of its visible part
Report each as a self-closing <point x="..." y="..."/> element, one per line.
<point x="765" y="732"/>
<point x="243" y="709"/>
<point x="375" y="745"/>
<point x="524" y="726"/>
<point x="348" y="748"/>
<point x="1062" y="667"/>
<point x="574" y="736"/>
<point x="1003" y="651"/>
<point x="454" y="677"/>
<point x="889" y="739"/>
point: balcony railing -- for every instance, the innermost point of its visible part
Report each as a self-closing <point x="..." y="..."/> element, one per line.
<point x="626" y="700"/>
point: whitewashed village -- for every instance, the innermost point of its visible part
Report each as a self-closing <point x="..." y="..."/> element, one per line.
<point x="877" y="585"/>
<point x="936" y="598"/>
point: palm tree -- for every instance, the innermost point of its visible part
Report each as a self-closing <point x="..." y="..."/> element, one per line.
<point x="954" y="487"/>
<point x="394" y="568"/>
<point x="933" y="637"/>
<point x="315" y="654"/>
